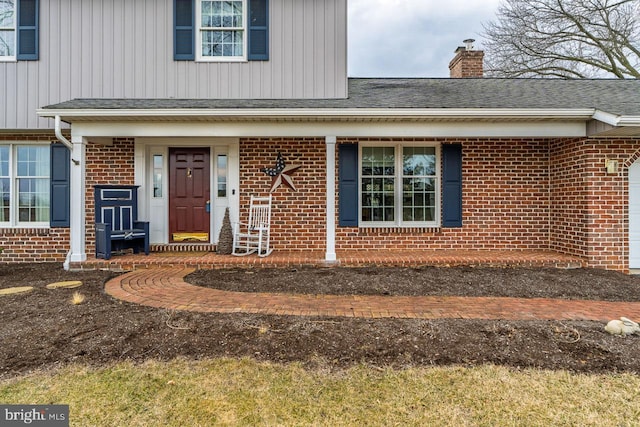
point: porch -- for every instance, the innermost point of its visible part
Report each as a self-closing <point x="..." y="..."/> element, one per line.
<point x="203" y="257"/>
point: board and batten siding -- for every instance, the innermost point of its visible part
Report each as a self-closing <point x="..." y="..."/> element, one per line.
<point x="124" y="49"/>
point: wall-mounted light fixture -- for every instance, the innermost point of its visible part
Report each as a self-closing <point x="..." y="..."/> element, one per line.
<point x="611" y="165"/>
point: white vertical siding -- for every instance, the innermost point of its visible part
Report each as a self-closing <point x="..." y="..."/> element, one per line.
<point x="124" y="49"/>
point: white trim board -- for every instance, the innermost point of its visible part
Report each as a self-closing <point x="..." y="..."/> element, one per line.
<point x="340" y="129"/>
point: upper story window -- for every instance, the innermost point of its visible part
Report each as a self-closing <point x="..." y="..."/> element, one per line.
<point x="19" y="30"/>
<point x="7" y="29"/>
<point x="399" y="185"/>
<point x="222" y="34"/>
<point x="214" y="30"/>
<point x="24" y="185"/>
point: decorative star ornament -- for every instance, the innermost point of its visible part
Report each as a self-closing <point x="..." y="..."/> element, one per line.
<point x="281" y="173"/>
<point x="276" y="170"/>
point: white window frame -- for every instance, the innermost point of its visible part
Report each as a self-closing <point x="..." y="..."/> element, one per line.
<point x="199" y="34"/>
<point x="14" y="221"/>
<point x="399" y="222"/>
<point x="12" y="58"/>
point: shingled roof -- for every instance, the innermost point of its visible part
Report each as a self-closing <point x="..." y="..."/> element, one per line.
<point x="619" y="97"/>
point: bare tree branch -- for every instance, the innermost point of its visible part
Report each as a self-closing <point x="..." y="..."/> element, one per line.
<point x="564" y="38"/>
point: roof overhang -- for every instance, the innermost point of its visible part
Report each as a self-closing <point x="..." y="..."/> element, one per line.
<point x="326" y="114"/>
<point x="606" y="124"/>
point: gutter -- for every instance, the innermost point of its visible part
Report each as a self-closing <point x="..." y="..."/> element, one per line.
<point x="616" y="120"/>
<point x="360" y="113"/>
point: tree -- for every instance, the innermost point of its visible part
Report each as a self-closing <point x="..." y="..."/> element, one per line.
<point x="564" y="38"/>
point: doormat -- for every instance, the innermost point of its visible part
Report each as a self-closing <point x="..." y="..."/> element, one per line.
<point x="180" y="253"/>
<point x="190" y="237"/>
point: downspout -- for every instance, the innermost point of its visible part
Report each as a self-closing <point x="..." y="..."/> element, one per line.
<point x="67" y="262"/>
<point x="60" y="136"/>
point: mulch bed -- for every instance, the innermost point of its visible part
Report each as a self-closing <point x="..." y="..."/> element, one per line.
<point x="43" y="330"/>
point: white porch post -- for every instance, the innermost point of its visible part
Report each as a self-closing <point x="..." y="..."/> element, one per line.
<point x="330" y="254"/>
<point x="77" y="201"/>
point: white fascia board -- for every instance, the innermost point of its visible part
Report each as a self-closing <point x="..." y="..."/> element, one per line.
<point x="356" y="113"/>
<point x="364" y="129"/>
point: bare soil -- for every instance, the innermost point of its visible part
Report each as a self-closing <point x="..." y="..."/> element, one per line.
<point x="43" y="330"/>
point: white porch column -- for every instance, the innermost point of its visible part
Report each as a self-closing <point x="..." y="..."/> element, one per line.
<point x="330" y="254"/>
<point x="77" y="200"/>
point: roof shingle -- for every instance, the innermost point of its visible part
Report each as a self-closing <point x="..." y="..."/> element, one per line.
<point x="620" y="97"/>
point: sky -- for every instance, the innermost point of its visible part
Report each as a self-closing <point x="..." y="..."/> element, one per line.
<point x="412" y="38"/>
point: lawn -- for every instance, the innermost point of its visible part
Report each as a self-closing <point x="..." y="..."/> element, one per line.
<point x="245" y="392"/>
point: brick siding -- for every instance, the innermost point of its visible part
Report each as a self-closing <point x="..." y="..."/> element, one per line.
<point x="298" y="218"/>
<point x="518" y="194"/>
<point x="505" y="203"/>
<point x="111" y="164"/>
<point x="589" y="216"/>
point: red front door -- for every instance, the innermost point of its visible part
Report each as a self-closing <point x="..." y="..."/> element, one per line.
<point x="189" y="194"/>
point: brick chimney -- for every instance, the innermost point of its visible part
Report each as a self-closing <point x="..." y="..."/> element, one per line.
<point x="467" y="63"/>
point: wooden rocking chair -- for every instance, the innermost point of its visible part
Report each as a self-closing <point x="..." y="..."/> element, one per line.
<point x="253" y="236"/>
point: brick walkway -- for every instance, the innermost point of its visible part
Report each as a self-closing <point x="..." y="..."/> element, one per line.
<point x="165" y="288"/>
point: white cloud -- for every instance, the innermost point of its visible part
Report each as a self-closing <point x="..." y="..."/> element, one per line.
<point x="412" y="38"/>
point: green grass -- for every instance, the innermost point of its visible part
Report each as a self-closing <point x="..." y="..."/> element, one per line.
<point x="244" y="392"/>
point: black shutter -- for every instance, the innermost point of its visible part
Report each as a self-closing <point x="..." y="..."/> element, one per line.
<point x="348" y="185"/>
<point x="452" y="185"/>
<point x="60" y="179"/>
<point x="183" y="30"/>
<point x="258" y="30"/>
<point x="27" y="34"/>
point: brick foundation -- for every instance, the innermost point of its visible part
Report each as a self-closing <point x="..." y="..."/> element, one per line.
<point x="33" y="244"/>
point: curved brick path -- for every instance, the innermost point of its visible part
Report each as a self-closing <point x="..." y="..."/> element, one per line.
<point x="165" y="288"/>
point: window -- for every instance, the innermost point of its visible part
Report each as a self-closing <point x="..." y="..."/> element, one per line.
<point x="24" y="185"/>
<point x="158" y="167"/>
<point x="213" y="30"/>
<point x="7" y="30"/>
<point x="19" y="30"/>
<point x="5" y="184"/>
<point x="399" y="185"/>
<point x="221" y="30"/>
<point x="222" y="175"/>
